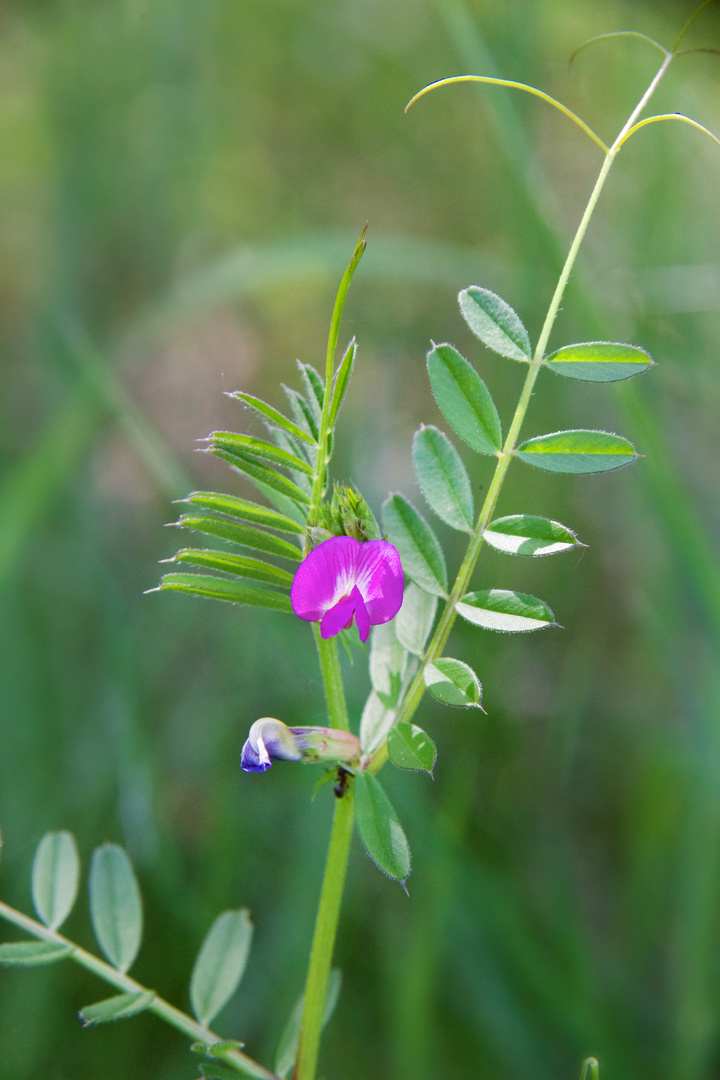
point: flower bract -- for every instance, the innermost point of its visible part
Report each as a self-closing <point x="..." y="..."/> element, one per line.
<point x="342" y="580"/>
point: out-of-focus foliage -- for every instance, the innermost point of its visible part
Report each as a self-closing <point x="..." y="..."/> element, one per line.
<point x="181" y="185"/>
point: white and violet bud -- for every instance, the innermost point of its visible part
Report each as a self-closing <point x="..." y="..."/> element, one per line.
<point x="270" y="740"/>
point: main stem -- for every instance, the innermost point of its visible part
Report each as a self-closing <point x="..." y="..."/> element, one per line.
<point x="437" y="643"/>
<point x="337" y="858"/>
<point x="328" y="915"/>
<point x="324" y="938"/>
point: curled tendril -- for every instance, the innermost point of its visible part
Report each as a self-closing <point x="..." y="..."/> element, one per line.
<point x="688" y="24"/>
<point x="615" y="34"/>
<point x="666" y="116"/>
<point x="515" y="86"/>
<point x="690" y="52"/>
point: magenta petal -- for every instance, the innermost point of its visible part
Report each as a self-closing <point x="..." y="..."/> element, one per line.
<point x="338" y="617"/>
<point x="361" y="617"/>
<point x="379" y="577"/>
<point x="325" y="577"/>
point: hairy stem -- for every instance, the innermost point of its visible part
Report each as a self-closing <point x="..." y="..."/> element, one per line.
<point x="332" y="680"/>
<point x="437" y="642"/>
<point x="180" y="1020"/>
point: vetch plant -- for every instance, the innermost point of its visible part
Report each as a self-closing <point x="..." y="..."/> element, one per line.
<point x="318" y="553"/>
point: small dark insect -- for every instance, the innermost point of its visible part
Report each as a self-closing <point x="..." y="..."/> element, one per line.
<point x="342" y="779"/>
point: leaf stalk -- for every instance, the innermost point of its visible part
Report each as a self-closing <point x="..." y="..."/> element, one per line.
<point x="244" y="1065"/>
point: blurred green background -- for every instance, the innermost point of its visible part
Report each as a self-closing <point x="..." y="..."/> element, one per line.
<point x="181" y="185"/>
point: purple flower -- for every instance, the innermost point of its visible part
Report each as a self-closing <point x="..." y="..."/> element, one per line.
<point x="342" y="579"/>
<point x="270" y="740"/>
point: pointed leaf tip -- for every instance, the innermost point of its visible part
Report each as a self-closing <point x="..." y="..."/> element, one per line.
<point x="496" y="324"/>
<point x="381" y="832"/>
<point x="216" y="588"/>
<point x="505" y="610"/>
<point x="527" y="534"/>
<point x="453" y="683"/>
<point x="578" y="451"/>
<point x="119" y="1007"/>
<point x="409" y="747"/>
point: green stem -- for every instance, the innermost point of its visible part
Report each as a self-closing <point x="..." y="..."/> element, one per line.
<point x="324" y="938"/>
<point x="337" y="857"/>
<point x="434" y="649"/>
<point x="332" y="679"/>
<point x="334" y="880"/>
<point x="161" y="1008"/>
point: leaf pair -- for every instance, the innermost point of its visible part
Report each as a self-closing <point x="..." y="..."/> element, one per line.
<point x="499" y="327"/>
<point x="494" y="609"/>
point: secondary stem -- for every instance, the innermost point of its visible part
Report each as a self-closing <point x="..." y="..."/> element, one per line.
<point x="434" y="649"/>
<point x="160" y="1007"/>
